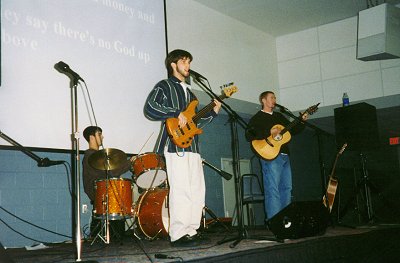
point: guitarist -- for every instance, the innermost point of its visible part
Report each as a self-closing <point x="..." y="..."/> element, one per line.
<point x="168" y="99"/>
<point x="277" y="174"/>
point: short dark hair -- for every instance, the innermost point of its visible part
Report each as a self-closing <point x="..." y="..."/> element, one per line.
<point x="174" y="56"/>
<point x="263" y="95"/>
<point x="91" y="130"/>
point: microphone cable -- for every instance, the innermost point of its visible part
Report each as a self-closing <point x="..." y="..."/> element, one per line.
<point x="90" y="106"/>
<point x="17" y="217"/>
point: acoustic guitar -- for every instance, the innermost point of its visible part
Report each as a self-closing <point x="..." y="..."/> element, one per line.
<point x="270" y="147"/>
<point x="329" y="197"/>
<point x="183" y="136"/>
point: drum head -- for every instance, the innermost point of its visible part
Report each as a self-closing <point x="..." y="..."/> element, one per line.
<point x="151" y="179"/>
<point x="152" y="212"/>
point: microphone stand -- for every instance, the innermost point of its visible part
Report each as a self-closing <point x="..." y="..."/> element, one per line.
<point x="318" y="132"/>
<point x="75" y="163"/>
<point x="290" y="114"/>
<point x="235" y="119"/>
<point x="227" y="177"/>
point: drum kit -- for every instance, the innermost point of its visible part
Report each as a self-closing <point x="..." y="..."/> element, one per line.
<point x="113" y="196"/>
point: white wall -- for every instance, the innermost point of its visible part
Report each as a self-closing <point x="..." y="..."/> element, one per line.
<point x="319" y="64"/>
<point x="224" y="49"/>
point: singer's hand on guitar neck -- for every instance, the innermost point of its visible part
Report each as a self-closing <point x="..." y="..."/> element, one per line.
<point x="305" y="116"/>
<point x="217" y="106"/>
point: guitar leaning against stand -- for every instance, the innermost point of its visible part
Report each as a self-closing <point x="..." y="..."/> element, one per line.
<point x="270" y="147"/>
<point x="329" y="196"/>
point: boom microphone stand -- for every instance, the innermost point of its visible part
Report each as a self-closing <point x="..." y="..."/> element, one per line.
<point x="227" y="177"/>
<point x="234" y="119"/>
<point x="319" y="132"/>
<point x="41" y="162"/>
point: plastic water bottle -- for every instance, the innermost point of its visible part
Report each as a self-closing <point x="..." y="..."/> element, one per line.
<point x="345" y="100"/>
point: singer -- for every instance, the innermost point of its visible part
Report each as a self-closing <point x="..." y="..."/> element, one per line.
<point x="277" y="173"/>
<point x="169" y="98"/>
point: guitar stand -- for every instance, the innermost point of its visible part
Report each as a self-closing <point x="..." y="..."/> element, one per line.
<point x="363" y="186"/>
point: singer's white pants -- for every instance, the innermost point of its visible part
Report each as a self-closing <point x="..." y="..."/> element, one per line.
<point x="186" y="193"/>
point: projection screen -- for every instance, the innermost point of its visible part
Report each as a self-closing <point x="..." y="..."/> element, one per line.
<point x="116" y="46"/>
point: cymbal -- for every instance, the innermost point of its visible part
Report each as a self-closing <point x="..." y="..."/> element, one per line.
<point x="107" y="159"/>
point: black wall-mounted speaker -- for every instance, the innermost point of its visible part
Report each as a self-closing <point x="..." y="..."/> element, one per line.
<point x="300" y="219"/>
<point x="357" y="126"/>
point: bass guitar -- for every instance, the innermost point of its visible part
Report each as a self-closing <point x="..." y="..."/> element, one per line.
<point x="329" y="196"/>
<point x="270" y="147"/>
<point x="183" y="136"/>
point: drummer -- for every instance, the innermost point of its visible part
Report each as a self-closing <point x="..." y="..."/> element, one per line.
<point x="94" y="136"/>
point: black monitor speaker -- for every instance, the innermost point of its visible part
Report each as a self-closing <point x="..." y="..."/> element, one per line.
<point x="357" y="126"/>
<point x="300" y="219"/>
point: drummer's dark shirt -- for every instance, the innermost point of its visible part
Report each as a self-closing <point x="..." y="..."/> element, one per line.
<point x="90" y="174"/>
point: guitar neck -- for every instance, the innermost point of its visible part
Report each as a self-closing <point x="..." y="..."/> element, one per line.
<point x="310" y="111"/>
<point x="292" y="124"/>
<point x="334" y="166"/>
<point x="337" y="157"/>
<point x="200" y="114"/>
<point x="289" y="126"/>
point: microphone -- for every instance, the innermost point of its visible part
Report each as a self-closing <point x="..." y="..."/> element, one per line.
<point x="46" y="162"/>
<point x="196" y="75"/>
<point x="282" y="108"/>
<point x="224" y="174"/>
<point x="64" y="68"/>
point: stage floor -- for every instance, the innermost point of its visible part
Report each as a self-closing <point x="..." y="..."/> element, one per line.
<point x="374" y="243"/>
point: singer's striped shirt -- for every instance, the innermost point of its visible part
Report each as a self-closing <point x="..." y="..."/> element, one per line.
<point x="168" y="100"/>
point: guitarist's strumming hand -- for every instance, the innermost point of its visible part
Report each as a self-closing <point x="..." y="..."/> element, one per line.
<point x="275" y="132"/>
<point x="182" y="119"/>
